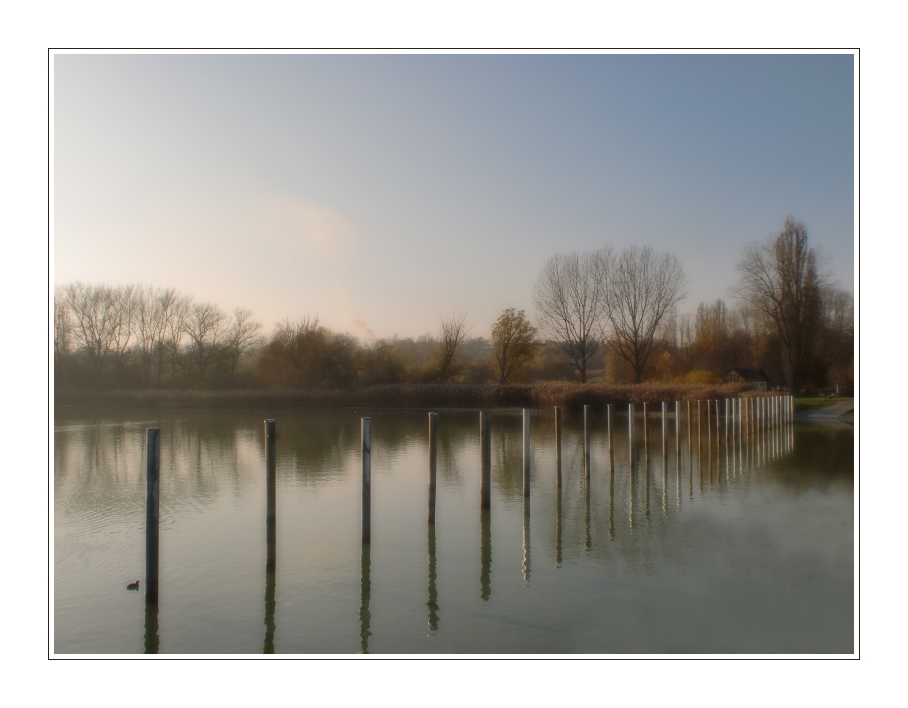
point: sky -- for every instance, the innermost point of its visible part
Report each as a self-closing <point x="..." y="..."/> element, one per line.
<point x="383" y="192"/>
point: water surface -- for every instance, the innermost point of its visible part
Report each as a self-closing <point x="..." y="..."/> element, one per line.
<point x="738" y="546"/>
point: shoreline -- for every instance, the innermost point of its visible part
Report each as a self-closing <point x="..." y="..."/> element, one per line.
<point x="571" y="396"/>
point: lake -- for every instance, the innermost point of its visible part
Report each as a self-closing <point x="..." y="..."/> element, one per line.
<point x="738" y="546"/>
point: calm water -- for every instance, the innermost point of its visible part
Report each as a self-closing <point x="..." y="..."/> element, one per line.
<point x="739" y="548"/>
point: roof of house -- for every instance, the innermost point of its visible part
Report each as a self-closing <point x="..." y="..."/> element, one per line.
<point x="750" y="374"/>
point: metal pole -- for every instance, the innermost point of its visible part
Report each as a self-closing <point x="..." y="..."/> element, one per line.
<point x="152" y="506"/>
<point x="726" y="421"/>
<point x="485" y="454"/>
<point x="645" y="433"/>
<point x="586" y="442"/>
<point x="718" y="427"/>
<point x="678" y="428"/>
<point x="630" y="434"/>
<point x="611" y="457"/>
<point x="433" y="457"/>
<point x="709" y="423"/>
<point x="740" y="411"/>
<point x="664" y="429"/>
<point x="271" y="495"/>
<point x="526" y="452"/>
<point x="367" y="478"/>
<point x="689" y="445"/>
<point x="558" y="445"/>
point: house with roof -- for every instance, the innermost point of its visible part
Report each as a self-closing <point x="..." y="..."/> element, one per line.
<point x="757" y="377"/>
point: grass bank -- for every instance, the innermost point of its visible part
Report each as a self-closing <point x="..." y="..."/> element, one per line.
<point x="815" y="404"/>
<point x="570" y="396"/>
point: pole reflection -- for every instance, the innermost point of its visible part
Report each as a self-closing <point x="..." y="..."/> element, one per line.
<point x="432" y="602"/>
<point x="678" y="480"/>
<point x="748" y="448"/>
<point x="270" y="583"/>
<point x="558" y="529"/>
<point x="526" y="540"/>
<point x="152" y="641"/>
<point x="365" y="617"/>
<point x="588" y="538"/>
<point x="664" y="485"/>
<point x="485" y="554"/>
<point x="645" y="433"/>
<point x="646" y="471"/>
<point x="709" y="455"/>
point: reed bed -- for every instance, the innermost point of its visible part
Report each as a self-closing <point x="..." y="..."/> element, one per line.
<point x="570" y="396"/>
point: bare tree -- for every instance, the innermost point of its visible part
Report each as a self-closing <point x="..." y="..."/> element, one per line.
<point x="152" y="307"/>
<point x="512" y="343"/>
<point x="837" y="342"/>
<point x="62" y="326"/>
<point x="244" y="334"/>
<point x="175" y="311"/>
<point x="568" y="297"/>
<point x="124" y="298"/>
<point x="685" y="326"/>
<point x="294" y="353"/>
<point x="453" y="332"/>
<point x="103" y="323"/>
<point x="641" y="288"/>
<point x="207" y="329"/>
<point x="781" y="280"/>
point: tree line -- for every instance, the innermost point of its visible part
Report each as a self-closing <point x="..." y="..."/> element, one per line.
<point x="607" y="315"/>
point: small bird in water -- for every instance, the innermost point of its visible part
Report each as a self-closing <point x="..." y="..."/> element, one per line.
<point x="133" y="586"/>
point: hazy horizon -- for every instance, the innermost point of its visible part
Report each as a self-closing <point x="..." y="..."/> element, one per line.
<point x="383" y="192"/>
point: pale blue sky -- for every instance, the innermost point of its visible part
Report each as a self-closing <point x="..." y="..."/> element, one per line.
<point x="383" y="192"/>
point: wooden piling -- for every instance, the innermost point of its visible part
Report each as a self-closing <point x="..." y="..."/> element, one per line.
<point x="718" y="428"/>
<point x="740" y="410"/>
<point x="152" y="511"/>
<point x="526" y="452"/>
<point x="433" y="458"/>
<point x="432" y="578"/>
<point x="726" y="421"/>
<point x="558" y="445"/>
<point x="630" y="435"/>
<point x="611" y="457"/>
<point x="485" y="554"/>
<point x="270" y="606"/>
<point x="152" y="638"/>
<point x="485" y="454"/>
<point x="709" y="423"/>
<point x="270" y="494"/>
<point x="664" y="429"/>
<point x="645" y="433"/>
<point x="678" y="429"/>
<point x="366" y="449"/>
<point x="689" y="432"/>
<point x="586" y="442"/>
